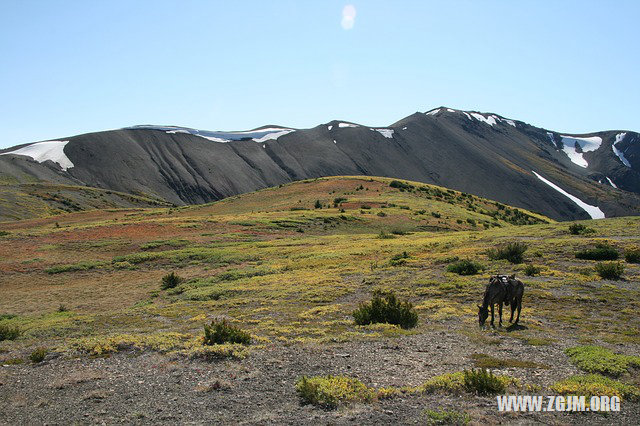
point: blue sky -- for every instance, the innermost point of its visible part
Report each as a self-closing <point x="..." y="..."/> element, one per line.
<point x="70" y="67"/>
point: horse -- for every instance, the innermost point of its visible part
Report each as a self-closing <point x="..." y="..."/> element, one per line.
<point x="501" y="290"/>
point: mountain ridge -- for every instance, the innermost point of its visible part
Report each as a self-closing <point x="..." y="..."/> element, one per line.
<point x="485" y="154"/>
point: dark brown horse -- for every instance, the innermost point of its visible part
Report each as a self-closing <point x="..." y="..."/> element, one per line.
<point x="501" y="290"/>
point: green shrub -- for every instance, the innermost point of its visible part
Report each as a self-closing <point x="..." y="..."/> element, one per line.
<point x="595" y="385"/>
<point x="464" y="267"/>
<point x="483" y="382"/>
<point x="220" y="331"/>
<point x="513" y="252"/>
<point x="171" y="280"/>
<point x="436" y="215"/>
<point x="602" y="251"/>
<point x="338" y="200"/>
<point x="318" y="204"/>
<point x="401" y="185"/>
<point x="38" y="355"/>
<point x="610" y="270"/>
<point x="8" y="332"/>
<point x="580" y="229"/>
<point x="330" y="391"/>
<point x="3" y="233"/>
<point x="632" y="255"/>
<point x="446" y="417"/>
<point x="531" y="270"/>
<point x="596" y="359"/>
<point x="399" y="259"/>
<point x="381" y="214"/>
<point x="386" y="308"/>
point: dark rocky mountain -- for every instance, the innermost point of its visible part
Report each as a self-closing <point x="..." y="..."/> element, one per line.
<point x="557" y="174"/>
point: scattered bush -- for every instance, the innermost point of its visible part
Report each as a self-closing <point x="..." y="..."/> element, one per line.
<point x="596" y="359"/>
<point x="483" y="382"/>
<point x="602" y="251"/>
<point x="436" y="215"/>
<point x="171" y="280"/>
<point x="8" y="332"/>
<point x="3" y="233"/>
<point x="220" y="331"/>
<point x="531" y="270"/>
<point x="330" y="391"/>
<point x="580" y="229"/>
<point x="381" y="214"/>
<point x="384" y="236"/>
<point x="446" y="417"/>
<point x="595" y="385"/>
<point x="386" y="308"/>
<point x="513" y="252"/>
<point x="465" y="267"/>
<point x="610" y="270"/>
<point x="632" y="255"/>
<point x="38" y="355"/>
<point x="338" y="200"/>
<point x="63" y="308"/>
<point x="318" y="204"/>
<point x="401" y="185"/>
<point x="399" y="259"/>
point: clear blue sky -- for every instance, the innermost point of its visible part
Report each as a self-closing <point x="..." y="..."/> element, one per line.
<point x="70" y="67"/>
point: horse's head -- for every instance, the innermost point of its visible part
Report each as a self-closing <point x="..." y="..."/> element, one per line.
<point x="483" y="313"/>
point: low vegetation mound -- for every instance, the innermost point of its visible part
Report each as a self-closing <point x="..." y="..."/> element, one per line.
<point x="610" y="270"/>
<point x="465" y="267"/>
<point x="513" y="252"/>
<point x="8" y="333"/>
<point x="446" y="417"/>
<point x="220" y="332"/>
<point x="632" y="255"/>
<point x="596" y="359"/>
<point x="595" y="385"/>
<point x="602" y="251"/>
<point x="580" y="229"/>
<point x="386" y="308"/>
<point x="481" y="381"/>
<point x="331" y="391"/>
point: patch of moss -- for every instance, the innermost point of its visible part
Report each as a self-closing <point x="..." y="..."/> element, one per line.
<point x="331" y="391"/>
<point x="594" y="385"/>
<point x="488" y="361"/>
<point x="596" y="359"/>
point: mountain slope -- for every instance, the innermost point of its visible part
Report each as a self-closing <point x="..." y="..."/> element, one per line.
<point x="483" y="154"/>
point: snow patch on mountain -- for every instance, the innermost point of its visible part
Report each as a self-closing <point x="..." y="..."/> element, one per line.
<point x="467" y="114"/>
<point x="510" y="122"/>
<point x="433" y="112"/>
<point x="619" y="138"/>
<point x="259" y="135"/>
<point x="347" y="125"/>
<point x="329" y="127"/>
<point x="43" y="151"/>
<point x="553" y="140"/>
<point x="387" y="133"/>
<point x="593" y="211"/>
<point x="490" y="120"/>
<point x="611" y="182"/>
<point x="586" y="144"/>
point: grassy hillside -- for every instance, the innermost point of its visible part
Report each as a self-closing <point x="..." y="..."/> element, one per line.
<point x="31" y="200"/>
<point x="291" y="270"/>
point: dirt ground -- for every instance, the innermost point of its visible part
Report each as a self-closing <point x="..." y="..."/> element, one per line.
<point x="134" y="388"/>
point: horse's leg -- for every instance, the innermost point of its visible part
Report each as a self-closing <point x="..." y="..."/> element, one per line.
<point x="500" y="313"/>
<point x="513" y="309"/>
<point x="492" y="325"/>
<point x="519" y="309"/>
